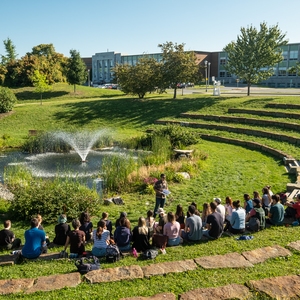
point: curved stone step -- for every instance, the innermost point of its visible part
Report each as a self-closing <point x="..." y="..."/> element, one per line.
<point x="274" y="114"/>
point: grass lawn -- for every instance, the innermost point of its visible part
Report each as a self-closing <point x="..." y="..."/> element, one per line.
<point x="228" y="171"/>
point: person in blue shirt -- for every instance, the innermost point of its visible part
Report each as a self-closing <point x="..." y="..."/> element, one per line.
<point x="238" y="219"/>
<point x="248" y="204"/>
<point x="35" y="241"/>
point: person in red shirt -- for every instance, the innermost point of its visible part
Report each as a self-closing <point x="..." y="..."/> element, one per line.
<point x="296" y="207"/>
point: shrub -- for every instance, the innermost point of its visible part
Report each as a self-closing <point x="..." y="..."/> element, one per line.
<point x="7" y="100"/>
<point x="51" y="198"/>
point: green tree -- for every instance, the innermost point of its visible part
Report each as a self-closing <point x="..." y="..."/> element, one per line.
<point x="177" y="66"/>
<point x="255" y="52"/>
<point x="10" y="52"/>
<point x="40" y="83"/>
<point x="140" y="78"/>
<point x="7" y="100"/>
<point x="75" y="69"/>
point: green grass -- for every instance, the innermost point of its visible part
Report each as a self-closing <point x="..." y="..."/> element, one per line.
<point x="228" y="171"/>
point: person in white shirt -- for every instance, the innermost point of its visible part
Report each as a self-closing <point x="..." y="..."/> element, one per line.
<point x="220" y="207"/>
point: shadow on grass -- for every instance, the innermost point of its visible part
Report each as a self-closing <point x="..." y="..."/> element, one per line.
<point x="30" y="95"/>
<point x="124" y="110"/>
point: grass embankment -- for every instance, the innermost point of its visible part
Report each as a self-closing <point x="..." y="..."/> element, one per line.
<point x="229" y="170"/>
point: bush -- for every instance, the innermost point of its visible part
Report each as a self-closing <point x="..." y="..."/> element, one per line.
<point x="7" y="100"/>
<point x="51" y="198"/>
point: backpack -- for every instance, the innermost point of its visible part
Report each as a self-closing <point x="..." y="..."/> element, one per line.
<point x="150" y="254"/>
<point x="87" y="264"/>
<point x="254" y="224"/>
<point x="113" y="253"/>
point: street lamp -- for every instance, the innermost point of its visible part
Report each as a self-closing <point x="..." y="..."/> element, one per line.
<point x="205" y="62"/>
<point x="88" y="77"/>
<point x="208" y="72"/>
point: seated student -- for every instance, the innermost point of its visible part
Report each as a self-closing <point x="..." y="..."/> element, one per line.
<point x="150" y="221"/>
<point x="276" y="214"/>
<point x="40" y="227"/>
<point x="61" y="230"/>
<point x="193" y="226"/>
<point x="295" y="207"/>
<point x="214" y="223"/>
<point x="172" y="230"/>
<point x="8" y="240"/>
<point x="238" y="219"/>
<point x="108" y="222"/>
<point x="248" y="203"/>
<point x="123" y="214"/>
<point x="86" y="226"/>
<point x="122" y="236"/>
<point x="76" y="240"/>
<point x="101" y="238"/>
<point x="179" y="216"/>
<point x="141" y="236"/>
<point x="159" y="227"/>
<point x="35" y="241"/>
<point x="257" y="212"/>
<point x="206" y="211"/>
<point x="197" y="212"/>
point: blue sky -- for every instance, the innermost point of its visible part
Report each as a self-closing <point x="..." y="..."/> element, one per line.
<point x="137" y="26"/>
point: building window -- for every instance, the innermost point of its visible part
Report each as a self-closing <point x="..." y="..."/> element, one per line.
<point x="222" y="61"/>
<point x="228" y="74"/>
<point x="281" y="72"/>
<point x="293" y="55"/>
<point x="222" y="74"/>
<point x="285" y="55"/>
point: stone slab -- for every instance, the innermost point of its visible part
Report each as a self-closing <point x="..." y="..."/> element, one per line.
<point x="6" y="257"/>
<point x="232" y="291"/>
<point x="282" y="287"/>
<point x="114" y="274"/>
<point x="262" y="254"/>
<point x="162" y="296"/>
<point x="169" y="267"/>
<point x="7" y="263"/>
<point x="55" y="282"/>
<point x="15" y="285"/>
<point x="295" y="245"/>
<point x="229" y="260"/>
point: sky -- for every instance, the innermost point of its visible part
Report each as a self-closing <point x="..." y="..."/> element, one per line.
<point x="138" y="26"/>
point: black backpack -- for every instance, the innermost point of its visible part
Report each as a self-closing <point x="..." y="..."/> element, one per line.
<point x="254" y="224"/>
<point x="113" y="253"/>
<point x="87" y="264"/>
<point x="150" y="254"/>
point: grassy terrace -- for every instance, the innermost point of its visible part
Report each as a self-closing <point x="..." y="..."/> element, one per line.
<point x="229" y="170"/>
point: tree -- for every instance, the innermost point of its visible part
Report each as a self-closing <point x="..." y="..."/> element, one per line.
<point x="40" y="83"/>
<point x="75" y="69"/>
<point x="255" y="52"/>
<point x="177" y="66"/>
<point x="7" y="100"/>
<point x="139" y="79"/>
<point x="10" y="49"/>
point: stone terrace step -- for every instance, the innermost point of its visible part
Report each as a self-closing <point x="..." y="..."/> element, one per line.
<point x="274" y="114"/>
<point x="283" y="105"/>
<point x="243" y="120"/>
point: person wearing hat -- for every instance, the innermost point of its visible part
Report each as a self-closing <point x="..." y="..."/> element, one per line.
<point x="161" y="221"/>
<point x="61" y="230"/>
<point x="160" y="186"/>
<point x="220" y="208"/>
<point x="257" y="212"/>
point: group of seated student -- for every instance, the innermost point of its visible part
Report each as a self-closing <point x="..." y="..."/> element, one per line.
<point x="211" y="222"/>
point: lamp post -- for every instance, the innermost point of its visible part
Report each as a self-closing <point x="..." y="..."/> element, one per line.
<point x="88" y="77"/>
<point x="205" y="62"/>
<point x="208" y="72"/>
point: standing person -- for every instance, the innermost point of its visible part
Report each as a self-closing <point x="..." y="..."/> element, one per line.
<point x="193" y="226"/>
<point x="61" y="230"/>
<point x="276" y="214"/>
<point x="76" y="239"/>
<point x="172" y="230"/>
<point x="238" y="219"/>
<point x="179" y="216"/>
<point x="141" y="236"/>
<point x="8" y="240"/>
<point x="160" y="197"/>
<point x="35" y="241"/>
<point x="86" y="226"/>
<point x="248" y="204"/>
<point x="214" y="223"/>
<point x="122" y="236"/>
<point x="220" y="208"/>
<point x="101" y="237"/>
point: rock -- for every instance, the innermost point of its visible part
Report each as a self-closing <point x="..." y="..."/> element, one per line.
<point x="230" y="260"/>
<point x="55" y="282"/>
<point x="232" y="291"/>
<point x="114" y="274"/>
<point x="162" y="296"/>
<point x="15" y="285"/>
<point x="260" y="255"/>
<point x="295" y="245"/>
<point x="185" y="175"/>
<point x="169" y="267"/>
<point x="282" y="287"/>
<point x="5" y="193"/>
